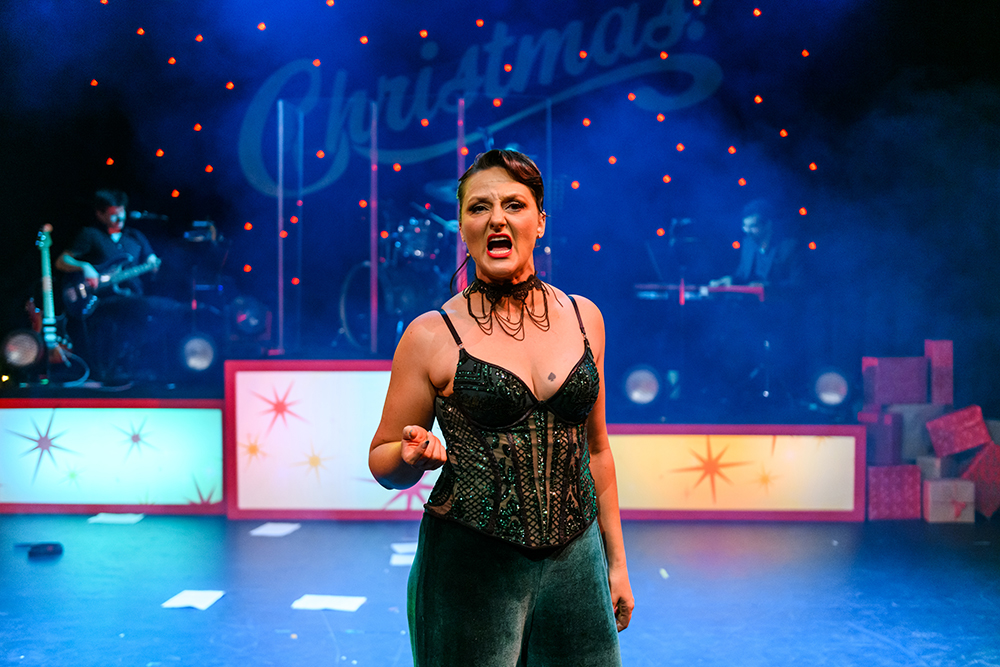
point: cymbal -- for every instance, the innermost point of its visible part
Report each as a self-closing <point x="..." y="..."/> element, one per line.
<point x="443" y="190"/>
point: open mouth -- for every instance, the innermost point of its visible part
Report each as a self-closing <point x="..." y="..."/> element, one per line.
<point x="499" y="245"/>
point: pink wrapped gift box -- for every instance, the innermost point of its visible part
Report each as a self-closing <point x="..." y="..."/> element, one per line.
<point x="949" y="501"/>
<point x="958" y="431"/>
<point x="985" y="472"/>
<point x="894" y="492"/>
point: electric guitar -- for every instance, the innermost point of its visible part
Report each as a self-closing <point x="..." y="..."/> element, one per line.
<point x="56" y="342"/>
<point x="80" y="299"/>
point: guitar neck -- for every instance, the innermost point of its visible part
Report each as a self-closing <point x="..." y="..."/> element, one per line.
<point x="127" y="274"/>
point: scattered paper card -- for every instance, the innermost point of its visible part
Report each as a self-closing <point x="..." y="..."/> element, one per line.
<point x="197" y="599"/>
<point x="273" y="529"/>
<point x="404" y="547"/>
<point x="335" y="602"/>
<point x="121" y="519"/>
<point x="402" y="560"/>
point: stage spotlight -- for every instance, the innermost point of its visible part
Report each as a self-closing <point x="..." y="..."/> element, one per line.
<point x="23" y="348"/>
<point x="248" y="316"/>
<point x="830" y="387"/>
<point x="197" y="352"/>
<point x="642" y="384"/>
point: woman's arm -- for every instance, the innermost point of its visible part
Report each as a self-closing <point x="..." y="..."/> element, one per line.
<point x="602" y="468"/>
<point x="403" y="447"/>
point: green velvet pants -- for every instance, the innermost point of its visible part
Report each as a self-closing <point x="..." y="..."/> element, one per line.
<point x="478" y="601"/>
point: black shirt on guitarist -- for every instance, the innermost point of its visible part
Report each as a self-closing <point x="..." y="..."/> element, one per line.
<point x="105" y="253"/>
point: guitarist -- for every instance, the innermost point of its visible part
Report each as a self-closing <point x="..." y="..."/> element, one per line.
<point x="124" y="320"/>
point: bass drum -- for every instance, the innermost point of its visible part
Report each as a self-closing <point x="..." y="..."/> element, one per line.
<point x="404" y="292"/>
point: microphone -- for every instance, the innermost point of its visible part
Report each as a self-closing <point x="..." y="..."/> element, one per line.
<point x="146" y="215"/>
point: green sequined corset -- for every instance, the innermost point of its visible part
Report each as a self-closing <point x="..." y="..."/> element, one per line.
<point x="518" y="468"/>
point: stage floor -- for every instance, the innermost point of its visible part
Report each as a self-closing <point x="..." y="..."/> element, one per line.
<point x="871" y="594"/>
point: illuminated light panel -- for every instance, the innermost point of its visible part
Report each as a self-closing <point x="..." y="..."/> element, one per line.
<point x="316" y="63"/>
<point x="666" y="178"/>
<point x="294" y="220"/>
<point x="104" y="2"/>
<point x="586" y="122"/>
<point x="159" y="152"/>
<point x="812" y="245"/>
<point x="261" y="26"/>
<point x="575" y="185"/>
<point x="423" y="34"/>
<point x="397" y="167"/>
<point x="424" y="122"/>
<point x="197" y="127"/>
<point x="756" y="12"/>
<point x="93" y="82"/>
<point x="329" y="3"/>
<point x="479" y="23"/>
<point x="320" y="154"/>
<point x="384" y="234"/>
<point x="583" y="54"/>
<point x="140" y="31"/>
<point x="364" y="39"/>
<point x="742" y="182"/>
<point x="363" y="204"/>
<point x="175" y="194"/>
<point x="298" y="203"/>
<point x="209" y="168"/>
<point x="109" y="162"/>
<point x="631" y="97"/>
<point x="805" y="53"/>
<point x="736" y="245"/>
<point x="758" y="99"/>
<point x="247" y="268"/>
<point x="508" y="67"/>
<point x="295" y="281"/>
<point x="427" y="206"/>
<point x="660" y="117"/>
<point x="612" y="159"/>
<point x="597" y="247"/>
<point x="812" y="166"/>
<point x="680" y="147"/>
<point x="664" y="55"/>
<point x="230" y="85"/>
<point x="696" y="3"/>
<point x="783" y="133"/>
<point x="283" y="234"/>
<point x="732" y="150"/>
<point x="803" y="211"/>
<point x="465" y="150"/>
<point x="661" y="231"/>
<point x="199" y="38"/>
<point x="247" y="226"/>
<point x="171" y="60"/>
<point x="497" y="101"/>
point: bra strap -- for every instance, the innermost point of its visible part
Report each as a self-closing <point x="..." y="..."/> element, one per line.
<point x="578" y="318"/>
<point x="451" y="328"/>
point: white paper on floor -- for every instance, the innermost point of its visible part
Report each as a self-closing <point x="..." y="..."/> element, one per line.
<point x="402" y="560"/>
<point x="273" y="529"/>
<point x="404" y="547"/>
<point x="197" y="599"/>
<point x="122" y="519"/>
<point x="335" y="602"/>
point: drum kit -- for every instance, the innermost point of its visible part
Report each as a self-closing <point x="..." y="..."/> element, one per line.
<point x="416" y="261"/>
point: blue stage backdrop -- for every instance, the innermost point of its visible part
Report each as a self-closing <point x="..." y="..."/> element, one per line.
<point x="870" y="127"/>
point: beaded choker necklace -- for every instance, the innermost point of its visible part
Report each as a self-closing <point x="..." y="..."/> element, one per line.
<point x="506" y="303"/>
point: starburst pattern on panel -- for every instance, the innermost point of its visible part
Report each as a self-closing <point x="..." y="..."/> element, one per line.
<point x="44" y="443"/>
<point x="765" y="479"/>
<point x="252" y="448"/>
<point x="413" y="495"/>
<point x="72" y="477"/>
<point x="314" y="461"/>
<point x="711" y="466"/>
<point x="774" y="443"/>
<point x="136" y="438"/>
<point x="279" y="406"/>
<point x="202" y="498"/>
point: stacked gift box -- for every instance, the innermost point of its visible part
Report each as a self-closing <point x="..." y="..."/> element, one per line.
<point x="925" y="458"/>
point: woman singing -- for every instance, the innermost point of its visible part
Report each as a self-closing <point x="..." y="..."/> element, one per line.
<point x="511" y="568"/>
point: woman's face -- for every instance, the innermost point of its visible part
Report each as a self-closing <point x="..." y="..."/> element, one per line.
<point x="500" y="223"/>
